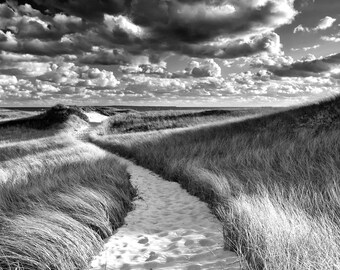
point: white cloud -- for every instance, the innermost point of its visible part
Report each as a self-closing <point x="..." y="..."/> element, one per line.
<point x="305" y="48"/>
<point x="205" y="68"/>
<point x="332" y="38"/>
<point x="300" y="28"/>
<point x="7" y="80"/>
<point x="159" y="69"/>
<point x="121" y="24"/>
<point x="96" y="85"/>
<point x="228" y="63"/>
<point x="266" y="59"/>
<point x="323" y="24"/>
<point x="307" y="58"/>
<point x="72" y="75"/>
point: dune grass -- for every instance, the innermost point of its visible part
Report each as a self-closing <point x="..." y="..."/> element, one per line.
<point x="11" y="114"/>
<point x="273" y="181"/>
<point x="59" y="198"/>
<point x="137" y="121"/>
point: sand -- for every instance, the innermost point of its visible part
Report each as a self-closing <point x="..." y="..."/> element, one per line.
<point x="168" y="229"/>
<point x="95" y="117"/>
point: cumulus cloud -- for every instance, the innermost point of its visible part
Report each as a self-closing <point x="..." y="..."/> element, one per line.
<point x="23" y="65"/>
<point x="262" y="85"/>
<point x="65" y="82"/>
<point x="323" y="24"/>
<point x="267" y="60"/>
<point x="73" y="75"/>
<point x="28" y="23"/>
<point x="206" y="68"/>
<point x="157" y="69"/>
<point x="203" y="28"/>
<point x="122" y="27"/>
<point x="50" y="50"/>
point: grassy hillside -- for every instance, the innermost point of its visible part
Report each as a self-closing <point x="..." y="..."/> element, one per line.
<point x="11" y="114"/>
<point x="156" y="120"/>
<point x="59" y="197"/>
<point x="272" y="180"/>
<point x="56" y="117"/>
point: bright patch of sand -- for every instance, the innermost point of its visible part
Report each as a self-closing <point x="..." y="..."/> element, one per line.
<point x="95" y="117"/>
<point x="168" y="229"/>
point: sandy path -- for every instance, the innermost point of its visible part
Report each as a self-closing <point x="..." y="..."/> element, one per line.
<point x="168" y="229"/>
<point x="95" y="117"/>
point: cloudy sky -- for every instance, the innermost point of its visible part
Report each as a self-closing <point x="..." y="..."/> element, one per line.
<point x="169" y="52"/>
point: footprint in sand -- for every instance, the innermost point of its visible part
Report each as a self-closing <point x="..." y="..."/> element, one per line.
<point x="152" y="256"/>
<point x="143" y="240"/>
<point x="168" y="229"/>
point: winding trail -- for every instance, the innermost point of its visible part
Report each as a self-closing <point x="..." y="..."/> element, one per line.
<point x="168" y="229"/>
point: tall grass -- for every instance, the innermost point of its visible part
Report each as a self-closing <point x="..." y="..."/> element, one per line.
<point x="59" y="198"/>
<point x="273" y="181"/>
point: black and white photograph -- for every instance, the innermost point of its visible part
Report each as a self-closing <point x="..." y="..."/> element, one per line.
<point x="169" y="134"/>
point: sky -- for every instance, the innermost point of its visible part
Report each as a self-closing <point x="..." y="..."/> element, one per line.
<point x="209" y="53"/>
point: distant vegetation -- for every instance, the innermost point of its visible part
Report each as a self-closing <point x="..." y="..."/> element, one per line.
<point x="6" y="114"/>
<point x="272" y="180"/>
<point x="157" y="120"/>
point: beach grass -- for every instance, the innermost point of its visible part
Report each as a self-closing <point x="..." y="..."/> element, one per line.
<point x="272" y="180"/>
<point x="59" y="197"/>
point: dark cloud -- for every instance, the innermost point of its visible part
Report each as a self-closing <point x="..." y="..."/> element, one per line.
<point x="200" y="28"/>
<point x="28" y="23"/>
<point x="196" y="21"/>
<point x="11" y="71"/>
<point x="106" y="57"/>
<point x="238" y="48"/>
<point x="306" y="68"/>
<point x="3" y="37"/>
<point x="203" y="29"/>
<point x="44" y="48"/>
<point x="89" y="9"/>
<point x="6" y="12"/>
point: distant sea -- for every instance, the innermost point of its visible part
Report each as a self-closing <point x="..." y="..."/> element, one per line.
<point x="151" y="108"/>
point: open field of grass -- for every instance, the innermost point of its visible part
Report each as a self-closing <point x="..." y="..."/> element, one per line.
<point x="273" y="180"/>
<point x="59" y="197"/>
